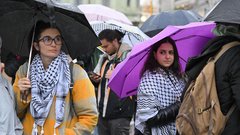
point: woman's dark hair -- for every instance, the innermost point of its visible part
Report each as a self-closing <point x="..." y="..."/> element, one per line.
<point x="40" y="27"/>
<point x="151" y="63"/>
<point x="110" y="35"/>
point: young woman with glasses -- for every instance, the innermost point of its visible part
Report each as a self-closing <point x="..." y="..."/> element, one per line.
<point x="54" y="107"/>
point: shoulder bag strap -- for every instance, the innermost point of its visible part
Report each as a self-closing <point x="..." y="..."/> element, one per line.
<point x="71" y="88"/>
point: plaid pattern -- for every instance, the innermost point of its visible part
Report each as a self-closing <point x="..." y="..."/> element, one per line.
<point x="46" y="84"/>
<point x="157" y="91"/>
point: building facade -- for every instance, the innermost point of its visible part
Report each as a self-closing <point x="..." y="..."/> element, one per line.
<point x="131" y="8"/>
<point x="199" y="6"/>
<point x="139" y="10"/>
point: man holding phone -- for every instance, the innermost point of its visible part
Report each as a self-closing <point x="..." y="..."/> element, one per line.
<point x="115" y="114"/>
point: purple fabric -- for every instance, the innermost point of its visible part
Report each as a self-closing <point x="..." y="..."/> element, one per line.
<point x="190" y="40"/>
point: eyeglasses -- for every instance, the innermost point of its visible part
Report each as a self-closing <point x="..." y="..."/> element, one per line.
<point x="47" y="40"/>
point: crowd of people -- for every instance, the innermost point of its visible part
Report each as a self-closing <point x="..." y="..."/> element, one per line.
<point x="58" y="97"/>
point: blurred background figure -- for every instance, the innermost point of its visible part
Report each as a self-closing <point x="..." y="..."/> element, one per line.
<point x="156" y="23"/>
<point x="12" y="63"/>
<point x="9" y="122"/>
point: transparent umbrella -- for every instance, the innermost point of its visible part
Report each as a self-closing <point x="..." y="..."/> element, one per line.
<point x="97" y="12"/>
<point x="133" y="35"/>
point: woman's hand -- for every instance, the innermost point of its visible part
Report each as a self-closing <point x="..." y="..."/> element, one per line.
<point x="24" y="84"/>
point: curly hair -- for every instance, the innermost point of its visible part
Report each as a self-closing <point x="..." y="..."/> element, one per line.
<point x="151" y="63"/>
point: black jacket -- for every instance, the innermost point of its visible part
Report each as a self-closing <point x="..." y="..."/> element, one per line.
<point x="228" y="87"/>
<point x="227" y="73"/>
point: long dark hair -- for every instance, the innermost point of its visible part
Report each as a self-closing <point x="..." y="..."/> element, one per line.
<point x="151" y="63"/>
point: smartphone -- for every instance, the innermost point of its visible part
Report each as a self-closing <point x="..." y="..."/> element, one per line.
<point x="91" y="74"/>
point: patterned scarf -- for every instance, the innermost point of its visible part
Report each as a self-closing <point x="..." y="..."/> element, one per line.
<point x="46" y="84"/>
<point x="155" y="92"/>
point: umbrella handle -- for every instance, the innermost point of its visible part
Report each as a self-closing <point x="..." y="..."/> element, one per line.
<point x="24" y="94"/>
<point x="29" y="61"/>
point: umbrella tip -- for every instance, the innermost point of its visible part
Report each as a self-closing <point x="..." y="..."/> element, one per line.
<point x="50" y="6"/>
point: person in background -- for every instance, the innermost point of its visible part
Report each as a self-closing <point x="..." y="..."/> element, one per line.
<point x="9" y="122"/>
<point x="227" y="76"/>
<point x="115" y="114"/>
<point x="52" y="107"/>
<point x="12" y="63"/>
<point x="159" y="91"/>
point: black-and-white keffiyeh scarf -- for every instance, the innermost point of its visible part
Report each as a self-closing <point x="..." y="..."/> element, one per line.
<point x="157" y="91"/>
<point x="46" y="84"/>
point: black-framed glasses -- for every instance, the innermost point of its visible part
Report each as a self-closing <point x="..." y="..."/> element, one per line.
<point x="47" y="40"/>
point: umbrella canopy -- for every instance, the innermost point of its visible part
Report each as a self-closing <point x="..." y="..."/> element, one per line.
<point x="16" y="26"/>
<point x="97" y="12"/>
<point x="156" y="23"/>
<point x="133" y="35"/>
<point x="190" y="40"/>
<point x="11" y="5"/>
<point x="226" y="11"/>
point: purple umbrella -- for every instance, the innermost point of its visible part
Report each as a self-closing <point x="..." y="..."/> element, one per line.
<point x="190" y="40"/>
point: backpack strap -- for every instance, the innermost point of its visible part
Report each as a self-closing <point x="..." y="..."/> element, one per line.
<point x="71" y="75"/>
<point x="219" y="54"/>
<point x="72" y="109"/>
<point x="225" y="48"/>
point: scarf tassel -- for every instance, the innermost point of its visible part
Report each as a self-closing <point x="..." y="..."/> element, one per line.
<point x="42" y="131"/>
<point x="54" y="131"/>
<point x="34" y="130"/>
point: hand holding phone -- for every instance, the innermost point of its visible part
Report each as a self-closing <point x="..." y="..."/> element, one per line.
<point x="92" y="74"/>
<point x="94" y="77"/>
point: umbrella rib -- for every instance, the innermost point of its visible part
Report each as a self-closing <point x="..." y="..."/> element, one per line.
<point x="136" y="35"/>
<point x="130" y="39"/>
<point x="211" y="10"/>
<point x="182" y="59"/>
<point x="121" y="28"/>
<point x="131" y="91"/>
<point x="189" y="37"/>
